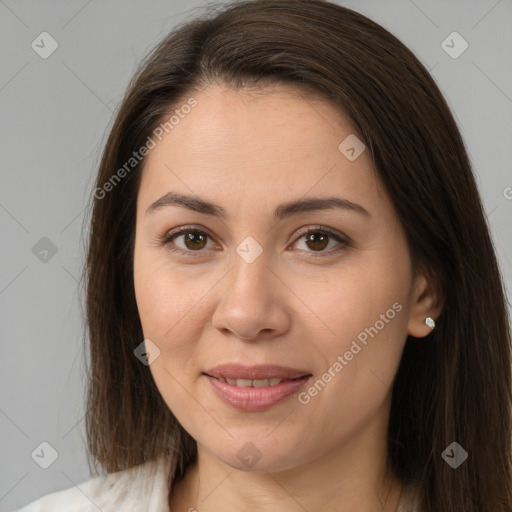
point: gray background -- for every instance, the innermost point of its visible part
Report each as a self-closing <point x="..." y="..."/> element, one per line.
<point x="54" y="117"/>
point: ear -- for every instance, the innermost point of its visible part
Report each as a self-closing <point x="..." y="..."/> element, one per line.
<point x="426" y="301"/>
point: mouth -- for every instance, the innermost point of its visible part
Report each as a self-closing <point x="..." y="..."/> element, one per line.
<point x="257" y="376"/>
<point x="255" y="388"/>
<point x="252" y="383"/>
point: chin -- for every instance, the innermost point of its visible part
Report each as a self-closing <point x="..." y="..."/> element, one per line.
<point x="250" y="453"/>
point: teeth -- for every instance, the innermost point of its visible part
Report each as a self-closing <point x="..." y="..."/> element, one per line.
<point x="242" y="383"/>
<point x="255" y="383"/>
<point x="261" y="383"/>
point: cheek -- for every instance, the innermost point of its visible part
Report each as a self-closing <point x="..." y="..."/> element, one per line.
<point x="357" y="302"/>
<point x="167" y="301"/>
<point x="358" y="367"/>
<point x="164" y="295"/>
<point x="365" y="307"/>
<point x="173" y="309"/>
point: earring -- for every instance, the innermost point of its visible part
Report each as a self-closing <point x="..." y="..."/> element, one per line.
<point x="430" y="322"/>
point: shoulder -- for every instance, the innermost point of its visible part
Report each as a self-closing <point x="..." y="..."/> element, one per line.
<point x="143" y="487"/>
<point x="408" y="499"/>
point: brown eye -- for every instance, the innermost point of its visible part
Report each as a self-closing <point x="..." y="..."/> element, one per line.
<point x="317" y="241"/>
<point x="321" y="241"/>
<point x="194" y="240"/>
<point x="186" y="240"/>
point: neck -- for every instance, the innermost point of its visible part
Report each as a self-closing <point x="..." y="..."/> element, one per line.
<point x="271" y="492"/>
<point x="352" y="477"/>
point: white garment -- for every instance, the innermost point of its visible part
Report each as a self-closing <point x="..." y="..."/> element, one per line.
<point x="141" y="488"/>
<point x="138" y="489"/>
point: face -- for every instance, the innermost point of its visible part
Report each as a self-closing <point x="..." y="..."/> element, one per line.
<point x="307" y="304"/>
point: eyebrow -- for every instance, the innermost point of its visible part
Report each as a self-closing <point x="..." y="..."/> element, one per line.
<point x="282" y="211"/>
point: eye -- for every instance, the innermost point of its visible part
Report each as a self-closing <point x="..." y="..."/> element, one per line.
<point x="316" y="240"/>
<point x="191" y="240"/>
<point x="320" y="238"/>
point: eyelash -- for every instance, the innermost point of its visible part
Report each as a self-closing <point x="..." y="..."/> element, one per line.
<point x="166" y="240"/>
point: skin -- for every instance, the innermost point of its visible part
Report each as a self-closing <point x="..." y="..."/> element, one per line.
<point x="248" y="152"/>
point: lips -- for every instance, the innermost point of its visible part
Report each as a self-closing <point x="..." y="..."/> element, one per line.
<point x="255" y="388"/>
<point x="231" y="373"/>
<point x="254" y="383"/>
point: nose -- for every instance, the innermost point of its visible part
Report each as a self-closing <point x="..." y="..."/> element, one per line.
<point x="254" y="302"/>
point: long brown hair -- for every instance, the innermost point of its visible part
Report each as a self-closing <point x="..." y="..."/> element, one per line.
<point x="455" y="385"/>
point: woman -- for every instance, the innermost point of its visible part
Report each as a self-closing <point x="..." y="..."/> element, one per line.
<point x="293" y="300"/>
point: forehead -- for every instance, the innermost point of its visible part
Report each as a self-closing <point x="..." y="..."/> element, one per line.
<point x="279" y="117"/>
<point x="277" y="141"/>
